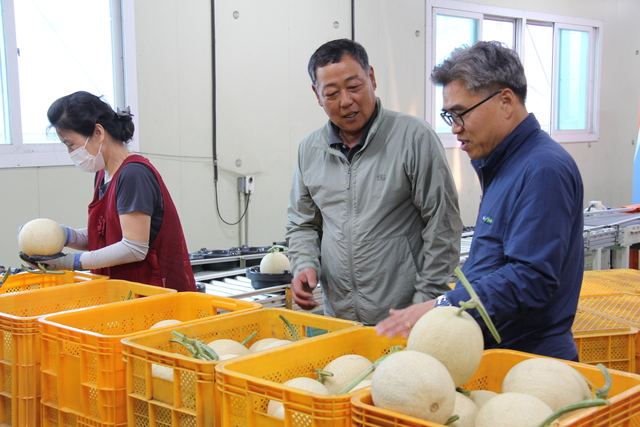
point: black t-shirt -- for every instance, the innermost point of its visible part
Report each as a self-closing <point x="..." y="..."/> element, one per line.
<point x="137" y="189"/>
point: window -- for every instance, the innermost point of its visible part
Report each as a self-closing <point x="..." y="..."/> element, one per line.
<point x="560" y="55"/>
<point x="48" y="50"/>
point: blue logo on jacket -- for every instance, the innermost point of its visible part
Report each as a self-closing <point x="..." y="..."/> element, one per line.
<point x="487" y="219"/>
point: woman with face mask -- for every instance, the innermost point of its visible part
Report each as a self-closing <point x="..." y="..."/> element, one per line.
<point x="133" y="232"/>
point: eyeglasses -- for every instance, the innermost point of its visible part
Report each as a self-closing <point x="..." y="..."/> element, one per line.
<point x="451" y="118"/>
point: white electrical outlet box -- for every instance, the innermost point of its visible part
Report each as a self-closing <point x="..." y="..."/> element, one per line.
<point x="245" y="184"/>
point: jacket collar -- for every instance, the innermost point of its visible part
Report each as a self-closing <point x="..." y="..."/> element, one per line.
<point x="507" y="147"/>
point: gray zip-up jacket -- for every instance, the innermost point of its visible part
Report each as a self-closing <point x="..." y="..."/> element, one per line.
<point x="382" y="232"/>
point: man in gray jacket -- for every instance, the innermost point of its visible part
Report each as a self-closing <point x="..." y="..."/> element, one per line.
<point x="373" y="214"/>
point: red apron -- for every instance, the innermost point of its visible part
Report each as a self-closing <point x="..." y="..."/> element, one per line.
<point x="167" y="262"/>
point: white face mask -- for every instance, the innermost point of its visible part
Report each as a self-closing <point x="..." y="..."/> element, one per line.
<point x="85" y="161"/>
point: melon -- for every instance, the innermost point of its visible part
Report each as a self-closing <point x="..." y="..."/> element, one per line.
<point x="416" y="384"/>
<point x="454" y="338"/>
<point x="466" y="410"/>
<point x="345" y="369"/>
<point x="162" y="371"/>
<point x="260" y="344"/>
<point x="274" y="263"/>
<point x="227" y="356"/>
<point x="480" y="397"/>
<point x="226" y="346"/>
<point x="513" y="410"/>
<point x="41" y="236"/>
<point x="554" y="382"/>
<point x="276" y="408"/>
<point x="164" y="323"/>
<point x="276" y="343"/>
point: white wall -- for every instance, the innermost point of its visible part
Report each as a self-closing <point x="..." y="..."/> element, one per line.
<point x="265" y="106"/>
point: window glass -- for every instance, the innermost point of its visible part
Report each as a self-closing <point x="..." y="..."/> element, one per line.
<point x="64" y="46"/>
<point x="451" y="32"/>
<point x="573" y="60"/>
<point x="493" y="29"/>
<point x="538" y="63"/>
<point x="560" y="55"/>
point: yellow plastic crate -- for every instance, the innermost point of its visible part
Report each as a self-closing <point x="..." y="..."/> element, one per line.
<point x="594" y="288"/>
<point x="20" y="337"/>
<point x="621" y="308"/>
<point x="30" y="281"/>
<point x="620" y="279"/>
<point x="156" y="402"/>
<point x="624" y="410"/>
<point x="51" y="417"/>
<point x="248" y="383"/>
<point x="606" y="341"/>
<point x="82" y="372"/>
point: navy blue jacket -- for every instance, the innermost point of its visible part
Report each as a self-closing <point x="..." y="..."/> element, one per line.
<point x="527" y="254"/>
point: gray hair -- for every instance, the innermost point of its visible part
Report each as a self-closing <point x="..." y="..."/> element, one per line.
<point x="332" y="52"/>
<point x="485" y="67"/>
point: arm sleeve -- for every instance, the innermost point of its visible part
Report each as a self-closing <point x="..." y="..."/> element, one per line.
<point x="77" y="239"/>
<point x="435" y="195"/>
<point x="122" y="252"/>
<point x="304" y="226"/>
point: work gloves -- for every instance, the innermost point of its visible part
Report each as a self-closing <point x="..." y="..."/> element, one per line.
<point x="59" y="261"/>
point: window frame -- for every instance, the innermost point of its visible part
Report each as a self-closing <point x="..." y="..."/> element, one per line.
<point x="54" y="153"/>
<point x="520" y="19"/>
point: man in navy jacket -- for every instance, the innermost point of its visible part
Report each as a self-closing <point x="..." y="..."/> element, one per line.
<point x="527" y="255"/>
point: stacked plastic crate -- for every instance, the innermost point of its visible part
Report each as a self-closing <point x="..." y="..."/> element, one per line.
<point x="82" y="371"/>
<point x="28" y="297"/>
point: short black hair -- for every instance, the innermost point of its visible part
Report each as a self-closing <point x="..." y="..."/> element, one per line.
<point x="333" y="52"/>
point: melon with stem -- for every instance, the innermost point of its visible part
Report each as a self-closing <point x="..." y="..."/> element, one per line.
<point x="343" y="370"/>
<point x="453" y="336"/>
<point x="275" y="262"/>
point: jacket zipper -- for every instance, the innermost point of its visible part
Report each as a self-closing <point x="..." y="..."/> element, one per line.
<point x="354" y="286"/>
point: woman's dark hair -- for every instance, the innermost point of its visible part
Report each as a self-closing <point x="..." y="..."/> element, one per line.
<point x="81" y="111"/>
<point x="332" y="52"/>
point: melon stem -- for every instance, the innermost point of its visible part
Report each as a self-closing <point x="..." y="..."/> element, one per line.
<point x="603" y="392"/>
<point x="31" y="270"/>
<point x="292" y="330"/>
<point x="5" y="276"/>
<point x="249" y="338"/>
<point x="321" y="374"/>
<point x="45" y="270"/>
<point x="475" y="299"/>
<point x="190" y="348"/>
<point x="452" y="420"/>
<point x="463" y="391"/>
<point x="588" y="403"/>
<point x="368" y="371"/>
<point x="276" y="248"/>
<point x="198" y="349"/>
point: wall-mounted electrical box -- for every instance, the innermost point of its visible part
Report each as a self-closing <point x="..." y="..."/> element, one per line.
<point x="245" y="184"/>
